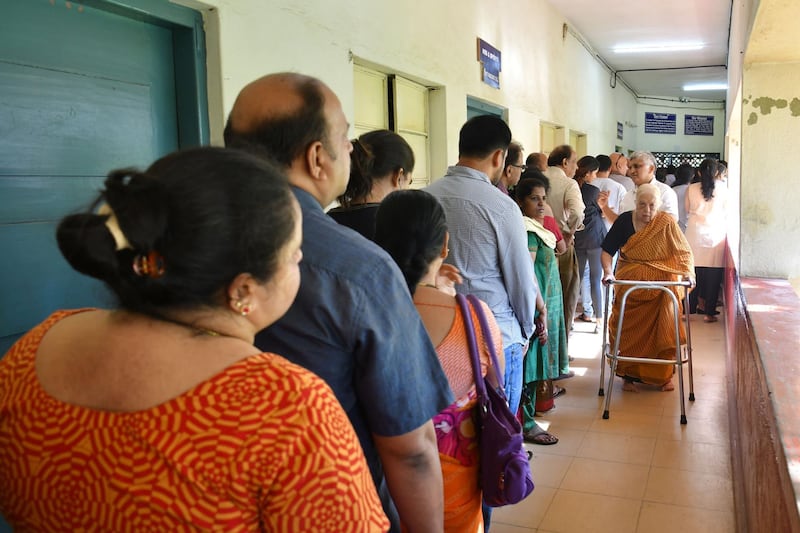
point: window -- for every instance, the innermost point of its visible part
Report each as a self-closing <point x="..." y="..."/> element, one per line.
<point x="388" y="101"/>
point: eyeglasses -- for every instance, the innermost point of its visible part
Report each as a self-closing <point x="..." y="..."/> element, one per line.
<point x="521" y="167"/>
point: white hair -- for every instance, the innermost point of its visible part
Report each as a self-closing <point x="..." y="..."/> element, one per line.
<point x="649" y="189"/>
<point x="647" y="156"/>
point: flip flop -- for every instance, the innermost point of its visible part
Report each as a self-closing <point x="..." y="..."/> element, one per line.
<point x="583" y="318"/>
<point x="539" y="436"/>
<point x="558" y="391"/>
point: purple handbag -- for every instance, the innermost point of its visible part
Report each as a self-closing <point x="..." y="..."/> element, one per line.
<point x="505" y="476"/>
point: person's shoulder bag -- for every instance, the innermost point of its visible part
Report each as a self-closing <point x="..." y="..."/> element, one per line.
<point x="505" y="474"/>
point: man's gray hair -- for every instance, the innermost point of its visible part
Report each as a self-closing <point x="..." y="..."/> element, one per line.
<point x="647" y="156"/>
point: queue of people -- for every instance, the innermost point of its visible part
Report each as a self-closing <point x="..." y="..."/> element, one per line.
<point x="270" y="366"/>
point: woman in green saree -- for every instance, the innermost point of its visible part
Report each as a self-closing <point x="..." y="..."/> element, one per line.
<point x="547" y="356"/>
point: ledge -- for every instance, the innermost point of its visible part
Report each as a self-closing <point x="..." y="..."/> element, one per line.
<point x="763" y="339"/>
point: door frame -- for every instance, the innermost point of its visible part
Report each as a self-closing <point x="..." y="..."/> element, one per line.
<point x="190" y="71"/>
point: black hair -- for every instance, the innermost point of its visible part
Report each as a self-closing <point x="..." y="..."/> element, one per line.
<point x="411" y="226"/>
<point x="482" y="135"/>
<point x="604" y="161"/>
<point x="527" y="182"/>
<point x="513" y="154"/>
<point x="683" y="174"/>
<point x="209" y="213"/>
<point x="709" y="170"/>
<point x="285" y="137"/>
<point x="534" y="174"/>
<point x="559" y="154"/>
<point x="586" y="164"/>
<point x="375" y="155"/>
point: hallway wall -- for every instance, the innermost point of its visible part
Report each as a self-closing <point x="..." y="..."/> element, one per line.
<point x="546" y="73"/>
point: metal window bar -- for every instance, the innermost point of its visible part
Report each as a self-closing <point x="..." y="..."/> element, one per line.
<point x="683" y="353"/>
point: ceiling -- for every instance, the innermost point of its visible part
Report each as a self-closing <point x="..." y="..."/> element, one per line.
<point x="609" y="23"/>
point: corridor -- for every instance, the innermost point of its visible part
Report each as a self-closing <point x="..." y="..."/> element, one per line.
<point x="640" y="471"/>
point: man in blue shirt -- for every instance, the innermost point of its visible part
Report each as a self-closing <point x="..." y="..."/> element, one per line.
<point x="488" y="243"/>
<point x="353" y="322"/>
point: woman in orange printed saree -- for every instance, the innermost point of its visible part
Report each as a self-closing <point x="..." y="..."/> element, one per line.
<point x="652" y="248"/>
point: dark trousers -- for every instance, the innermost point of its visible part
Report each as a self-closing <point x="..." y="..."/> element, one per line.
<point x="709" y="280"/>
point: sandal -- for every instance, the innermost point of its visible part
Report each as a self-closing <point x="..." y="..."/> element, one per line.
<point x="583" y="318"/>
<point x="539" y="436"/>
<point x="710" y="318"/>
<point x="558" y="391"/>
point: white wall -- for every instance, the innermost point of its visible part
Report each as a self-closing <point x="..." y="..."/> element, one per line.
<point x="545" y="76"/>
<point x="679" y="142"/>
<point x="770" y="220"/>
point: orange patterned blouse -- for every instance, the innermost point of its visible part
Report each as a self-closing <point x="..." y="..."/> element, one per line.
<point x="263" y="445"/>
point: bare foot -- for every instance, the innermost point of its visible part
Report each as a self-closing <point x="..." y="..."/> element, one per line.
<point x="630" y="386"/>
<point x="668" y="386"/>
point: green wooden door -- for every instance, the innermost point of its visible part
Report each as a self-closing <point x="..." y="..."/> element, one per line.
<point x="83" y="90"/>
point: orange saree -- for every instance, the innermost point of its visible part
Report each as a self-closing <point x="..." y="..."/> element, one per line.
<point x="657" y="252"/>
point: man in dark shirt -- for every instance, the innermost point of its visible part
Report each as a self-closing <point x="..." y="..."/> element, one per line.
<point x="353" y="322"/>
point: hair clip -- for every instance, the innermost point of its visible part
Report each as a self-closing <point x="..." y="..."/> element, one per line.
<point x="150" y="265"/>
<point x="112" y="224"/>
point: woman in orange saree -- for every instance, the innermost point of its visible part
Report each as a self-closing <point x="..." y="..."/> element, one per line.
<point x="652" y="248"/>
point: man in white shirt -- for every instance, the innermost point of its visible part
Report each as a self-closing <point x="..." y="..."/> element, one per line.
<point x="616" y="192"/>
<point x="643" y="170"/>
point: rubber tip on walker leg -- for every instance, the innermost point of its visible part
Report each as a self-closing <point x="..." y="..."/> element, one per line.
<point x="601" y="392"/>
<point x="683" y="419"/>
<point x="605" y="415"/>
<point x="691" y="396"/>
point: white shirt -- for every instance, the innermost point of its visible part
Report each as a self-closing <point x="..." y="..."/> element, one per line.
<point x="669" y="200"/>
<point x="616" y="193"/>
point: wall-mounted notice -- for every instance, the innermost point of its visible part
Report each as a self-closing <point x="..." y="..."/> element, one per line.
<point x="619" y="130"/>
<point x="660" y="123"/>
<point x="698" y="125"/>
<point x="489" y="56"/>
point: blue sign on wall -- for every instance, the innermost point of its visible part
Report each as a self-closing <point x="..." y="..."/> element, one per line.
<point x="660" y="123"/>
<point x="698" y="125"/>
<point x="489" y="56"/>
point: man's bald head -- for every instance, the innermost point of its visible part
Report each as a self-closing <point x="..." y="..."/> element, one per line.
<point x="619" y="163"/>
<point x="279" y="116"/>
<point x="537" y="160"/>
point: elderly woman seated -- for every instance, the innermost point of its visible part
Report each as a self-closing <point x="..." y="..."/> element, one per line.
<point x="652" y="248"/>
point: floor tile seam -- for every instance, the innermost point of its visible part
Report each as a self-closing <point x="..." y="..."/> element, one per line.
<point x="693" y="507"/>
<point x="613" y="461"/>
<point x="729" y="509"/>
<point x="696" y="471"/>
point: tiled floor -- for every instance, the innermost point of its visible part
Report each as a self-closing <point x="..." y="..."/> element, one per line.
<point x="639" y="471"/>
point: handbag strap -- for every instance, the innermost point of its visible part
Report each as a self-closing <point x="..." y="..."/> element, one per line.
<point x="472" y="344"/>
<point x="487" y="338"/>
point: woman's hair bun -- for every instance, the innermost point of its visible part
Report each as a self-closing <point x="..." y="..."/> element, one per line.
<point x="139" y="203"/>
<point x="88" y="246"/>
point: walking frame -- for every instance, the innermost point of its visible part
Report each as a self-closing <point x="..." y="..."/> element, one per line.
<point x="683" y="354"/>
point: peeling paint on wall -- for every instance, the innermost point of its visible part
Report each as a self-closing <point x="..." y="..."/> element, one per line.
<point x="766" y="104"/>
<point x="794" y="107"/>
